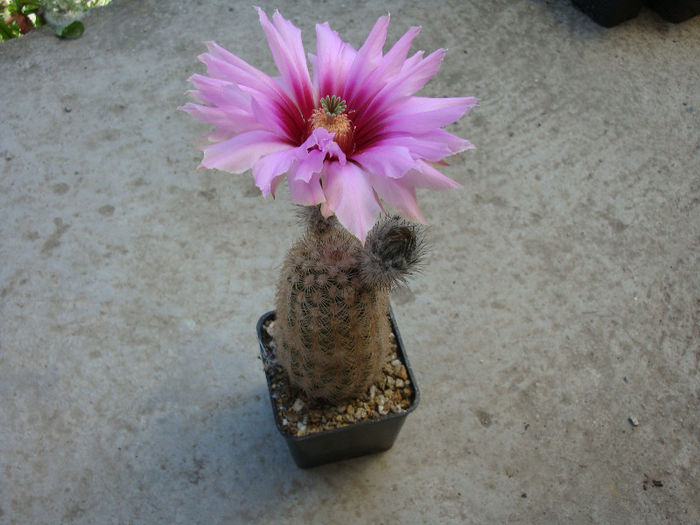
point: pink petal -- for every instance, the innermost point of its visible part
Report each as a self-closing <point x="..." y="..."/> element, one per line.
<point x="287" y="50"/>
<point x="306" y="193"/>
<point x="389" y="66"/>
<point x="428" y="177"/>
<point x="394" y="60"/>
<point x="238" y="154"/>
<point x="227" y="107"/>
<point x="396" y="94"/>
<point x="398" y="195"/>
<point x="410" y="116"/>
<point x="268" y="115"/>
<point x="433" y="146"/>
<point x="229" y="124"/>
<point x="323" y="140"/>
<point x="269" y="170"/>
<point x="226" y="66"/>
<point x="413" y="60"/>
<point x="454" y="143"/>
<point x="426" y="104"/>
<point x="367" y="59"/>
<point x="218" y="92"/>
<point x="309" y="165"/>
<point x="414" y="76"/>
<point x="332" y="61"/>
<point x="386" y="160"/>
<point x="350" y="196"/>
<point x="420" y="115"/>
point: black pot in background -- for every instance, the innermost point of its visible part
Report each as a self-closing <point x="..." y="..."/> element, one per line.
<point x="359" y="439"/>
<point x="675" y="11"/>
<point x="609" y="13"/>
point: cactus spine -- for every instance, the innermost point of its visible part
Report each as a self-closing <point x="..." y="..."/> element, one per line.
<point x="332" y="329"/>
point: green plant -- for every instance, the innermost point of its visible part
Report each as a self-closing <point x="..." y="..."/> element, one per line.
<point x="18" y="17"/>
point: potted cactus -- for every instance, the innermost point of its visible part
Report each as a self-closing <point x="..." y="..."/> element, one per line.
<point x="353" y="144"/>
<point x="333" y="340"/>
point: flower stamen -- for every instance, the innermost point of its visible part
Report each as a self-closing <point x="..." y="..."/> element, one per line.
<point x="331" y="116"/>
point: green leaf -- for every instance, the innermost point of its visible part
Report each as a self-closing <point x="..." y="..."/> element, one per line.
<point x="7" y="32"/>
<point x="14" y="8"/>
<point x="30" y="7"/>
<point x="72" y="30"/>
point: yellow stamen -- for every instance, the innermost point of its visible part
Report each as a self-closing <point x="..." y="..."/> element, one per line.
<point x="338" y="124"/>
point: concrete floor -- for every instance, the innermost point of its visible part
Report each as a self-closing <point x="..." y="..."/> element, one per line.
<point x="562" y="296"/>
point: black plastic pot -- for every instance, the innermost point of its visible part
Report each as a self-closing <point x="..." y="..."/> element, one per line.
<point x="609" y="13"/>
<point x="359" y="439"/>
<point x="676" y="11"/>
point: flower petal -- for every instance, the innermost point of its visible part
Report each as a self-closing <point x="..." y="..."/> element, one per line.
<point x="415" y="73"/>
<point x="399" y="195"/>
<point x="386" y="160"/>
<point x="224" y="65"/>
<point x="284" y="39"/>
<point x="412" y="79"/>
<point x="433" y="146"/>
<point x="228" y="124"/>
<point x="396" y="93"/>
<point x="309" y="165"/>
<point x="389" y="66"/>
<point x="332" y="61"/>
<point x="269" y="170"/>
<point x="420" y="114"/>
<point x="366" y="60"/>
<point x="227" y="107"/>
<point x="350" y="196"/>
<point x="306" y="193"/>
<point x="394" y="60"/>
<point x="267" y="114"/>
<point x="217" y="92"/>
<point x="240" y="153"/>
<point x="428" y="177"/>
<point x="323" y="139"/>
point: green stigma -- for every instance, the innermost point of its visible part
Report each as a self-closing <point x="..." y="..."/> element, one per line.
<point x="333" y="106"/>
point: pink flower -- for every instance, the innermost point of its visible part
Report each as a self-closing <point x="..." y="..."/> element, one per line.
<point x="352" y="137"/>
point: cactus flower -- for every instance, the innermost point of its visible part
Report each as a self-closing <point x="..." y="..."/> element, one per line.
<point x="352" y="138"/>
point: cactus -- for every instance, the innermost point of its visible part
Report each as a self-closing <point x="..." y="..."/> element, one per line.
<point x="332" y="329"/>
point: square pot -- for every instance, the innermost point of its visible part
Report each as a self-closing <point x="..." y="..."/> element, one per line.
<point x="358" y="439"/>
<point x="609" y="13"/>
<point x="675" y="11"/>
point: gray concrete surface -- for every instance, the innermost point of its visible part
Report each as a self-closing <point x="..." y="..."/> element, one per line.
<point x="562" y="296"/>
